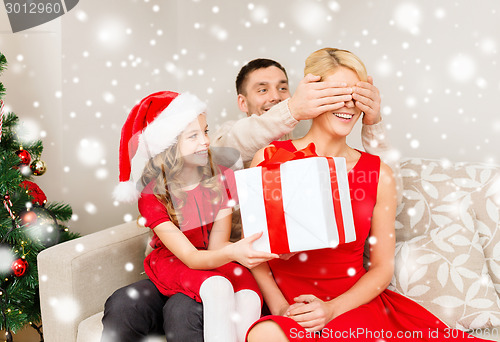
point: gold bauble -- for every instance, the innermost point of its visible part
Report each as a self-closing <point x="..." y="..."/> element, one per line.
<point x="38" y="167"/>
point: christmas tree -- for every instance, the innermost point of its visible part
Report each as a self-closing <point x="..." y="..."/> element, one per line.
<point x="28" y="224"/>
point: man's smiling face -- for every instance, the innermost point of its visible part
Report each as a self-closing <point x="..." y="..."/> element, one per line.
<point x="264" y="88"/>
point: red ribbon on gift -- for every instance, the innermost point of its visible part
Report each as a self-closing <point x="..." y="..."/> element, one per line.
<point x="336" y="203"/>
<point x="271" y="184"/>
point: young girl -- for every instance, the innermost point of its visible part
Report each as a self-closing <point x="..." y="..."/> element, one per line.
<point x="186" y="200"/>
<point x="326" y="294"/>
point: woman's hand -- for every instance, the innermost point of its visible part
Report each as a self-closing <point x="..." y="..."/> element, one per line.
<point x="283" y="310"/>
<point x="311" y="312"/>
<point x="367" y="98"/>
<point x="243" y="252"/>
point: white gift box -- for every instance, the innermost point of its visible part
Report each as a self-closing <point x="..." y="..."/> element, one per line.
<point x="316" y="204"/>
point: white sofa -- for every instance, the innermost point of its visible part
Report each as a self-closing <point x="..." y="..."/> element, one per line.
<point x="449" y="211"/>
<point x="76" y="278"/>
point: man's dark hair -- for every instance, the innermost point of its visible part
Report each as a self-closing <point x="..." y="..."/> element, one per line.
<point x="259" y="63"/>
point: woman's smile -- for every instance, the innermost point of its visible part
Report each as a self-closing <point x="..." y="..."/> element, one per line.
<point x="344" y="116"/>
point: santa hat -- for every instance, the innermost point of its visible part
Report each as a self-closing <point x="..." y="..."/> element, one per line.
<point x="151" y="127"/>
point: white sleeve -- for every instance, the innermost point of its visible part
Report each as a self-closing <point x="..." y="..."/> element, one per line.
<point x="250" y="134"/>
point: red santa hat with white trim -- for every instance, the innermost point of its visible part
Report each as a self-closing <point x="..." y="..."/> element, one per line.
<point x="152" y="126"/>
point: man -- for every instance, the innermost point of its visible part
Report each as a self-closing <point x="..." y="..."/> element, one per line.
<point x="140" y="310"/>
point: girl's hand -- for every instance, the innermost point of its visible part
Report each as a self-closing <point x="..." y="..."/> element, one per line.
<point x="287" y="256"/>
<point x="367" y="99"/>
<point x="247" y="256"/>
<point x="310" y="312"/>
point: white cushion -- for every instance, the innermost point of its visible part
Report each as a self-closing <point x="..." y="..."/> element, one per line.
<point x="90" y="329"/>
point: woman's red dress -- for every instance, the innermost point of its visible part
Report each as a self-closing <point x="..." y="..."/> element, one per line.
<point x="327" y="273"/>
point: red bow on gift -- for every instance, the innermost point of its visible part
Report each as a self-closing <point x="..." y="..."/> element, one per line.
<point x="275" y="155"/>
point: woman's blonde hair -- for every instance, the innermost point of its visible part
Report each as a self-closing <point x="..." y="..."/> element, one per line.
<point x="165" y="169"/>
<point x="326" y="61"/>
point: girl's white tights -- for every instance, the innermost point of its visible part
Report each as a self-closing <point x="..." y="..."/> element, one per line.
<point x="217" y="296"/>
<point x="227" y="315"/>
<point x="248" y="309"/>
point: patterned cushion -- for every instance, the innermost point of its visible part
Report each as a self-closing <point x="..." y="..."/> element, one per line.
<point x="435" y="194"/>
<point x="445" y="271"/>
<point x="486" y="204"/>
<point x="439" y="256"/>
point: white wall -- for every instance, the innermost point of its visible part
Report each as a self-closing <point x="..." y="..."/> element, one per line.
<point x="435" y="63"/>
<point x="33" y="83"/>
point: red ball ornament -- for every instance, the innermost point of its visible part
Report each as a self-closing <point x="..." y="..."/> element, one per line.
<point x="24" y="156"/>
<point x="19" y="267"/>
<point x="35" y="192"/>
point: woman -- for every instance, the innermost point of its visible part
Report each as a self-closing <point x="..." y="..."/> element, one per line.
<point x="327" y="294"/>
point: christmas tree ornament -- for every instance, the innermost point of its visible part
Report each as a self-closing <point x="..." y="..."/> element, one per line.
<point x="24" y="156"/>
<point x="38" y="167"/>
<point x="34" y="191"/>
<point x="7" y="203"/>
<point x="40" y="225"/>
<point x="19" y="267"/>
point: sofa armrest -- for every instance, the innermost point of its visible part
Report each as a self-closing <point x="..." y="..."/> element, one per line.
<point x="76" y="277"/>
